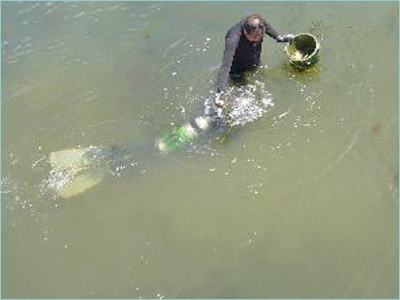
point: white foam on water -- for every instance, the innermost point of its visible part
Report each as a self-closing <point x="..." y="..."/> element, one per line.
<point x="247" y="108"/>
<point x="248" y="103"/>
<point x="58" y="179"/>
<point x="245" y="104"/>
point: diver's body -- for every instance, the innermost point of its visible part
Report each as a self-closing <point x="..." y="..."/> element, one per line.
<point x="243" y="46"/>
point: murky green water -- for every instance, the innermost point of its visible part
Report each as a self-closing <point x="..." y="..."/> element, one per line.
<point x="301" y="203"/>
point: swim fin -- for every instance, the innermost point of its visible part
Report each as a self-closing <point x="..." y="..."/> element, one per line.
<point x="80" y="169"/>
<point x="73" y="160"/>
<point x="83" y="181"/>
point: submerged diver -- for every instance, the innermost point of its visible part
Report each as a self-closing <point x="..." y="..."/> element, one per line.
<point x="77" y="170"/>
<point x="242" y="51"/>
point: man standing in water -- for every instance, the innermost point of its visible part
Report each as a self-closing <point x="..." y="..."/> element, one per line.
<point x="242" y="51"/>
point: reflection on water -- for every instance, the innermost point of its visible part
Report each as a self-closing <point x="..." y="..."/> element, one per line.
<point x="299" y="199"/>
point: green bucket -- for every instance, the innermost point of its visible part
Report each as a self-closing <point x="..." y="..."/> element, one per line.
<point x="303" y="51"/>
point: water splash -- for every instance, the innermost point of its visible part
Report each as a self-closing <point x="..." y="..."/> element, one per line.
<point x="57" y="181"/>
<point x="245" y="105"/>
<point x="251" y="103"/>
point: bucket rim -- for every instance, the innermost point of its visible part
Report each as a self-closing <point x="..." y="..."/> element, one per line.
<point x="317" y="47"/>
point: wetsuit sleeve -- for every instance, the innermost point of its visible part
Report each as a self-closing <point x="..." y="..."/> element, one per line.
<point x="271" y="31"/>
<point x="231" y="43"/>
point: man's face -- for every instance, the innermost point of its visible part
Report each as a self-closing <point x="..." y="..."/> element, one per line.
<point x="253" y="37"/>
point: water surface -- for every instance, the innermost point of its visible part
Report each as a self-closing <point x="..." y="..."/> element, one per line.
<point x="302" y="202"/>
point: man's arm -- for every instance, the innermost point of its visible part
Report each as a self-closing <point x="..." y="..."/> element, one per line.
<point x="275" y="35"/>
<point x="231" y="42"/>
<point x="271" y="31"/>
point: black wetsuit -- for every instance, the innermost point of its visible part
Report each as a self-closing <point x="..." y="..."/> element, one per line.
<point x="240" y="55"/>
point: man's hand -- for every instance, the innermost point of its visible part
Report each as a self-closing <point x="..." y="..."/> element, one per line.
<point x="285" y="38"/>
<point x="219" y="101"/>
<point x="290" y="37"/>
